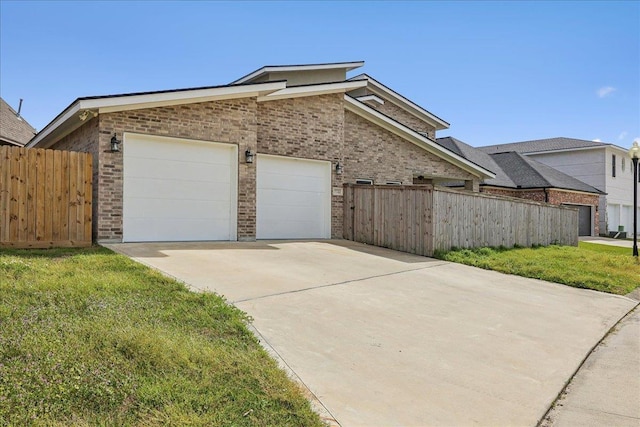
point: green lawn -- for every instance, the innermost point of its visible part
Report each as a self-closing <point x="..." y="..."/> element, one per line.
<point x="88" y="337"/>
<point x="592" y="266"/>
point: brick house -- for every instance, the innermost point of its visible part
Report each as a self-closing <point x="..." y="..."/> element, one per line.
<point x="520" y="176"/>
<point x="602" y="165"/>
<point x="263" y="157"/>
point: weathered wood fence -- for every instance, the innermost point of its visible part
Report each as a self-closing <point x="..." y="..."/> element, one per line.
<point x="420" y="219"/>
<point x="45" y="198"/>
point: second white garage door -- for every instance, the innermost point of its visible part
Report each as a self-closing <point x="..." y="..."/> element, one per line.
<point x="178" y="190"/>
<point x="293" y="198"/>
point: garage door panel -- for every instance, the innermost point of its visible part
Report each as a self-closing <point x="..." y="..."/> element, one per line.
<point x="188" y="171"/>
<point x="293" y="198"/>
<point x="178" y="190"/>
<point x="175" y="229"/>
<point x="294" y="183"/>
<point x="186" y="209"/>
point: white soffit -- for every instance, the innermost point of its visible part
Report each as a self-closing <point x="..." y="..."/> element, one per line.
<point x="370" y="100"/>
<point x="311" y="90"/>
<point x="402" y="102"/>
<point x="414" y="137"/>
<point x="73" y="117"/>
<point x="347" y="66"/>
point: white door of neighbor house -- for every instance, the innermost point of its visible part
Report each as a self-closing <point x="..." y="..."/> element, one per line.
<point x="293" y="198"/>
<point x="178" y="190"/>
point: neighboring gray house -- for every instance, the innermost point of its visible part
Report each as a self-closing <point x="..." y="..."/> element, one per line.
<point x="604" y="166"/>
<point x="520" y="176"/>
<point x="14" y="130"/>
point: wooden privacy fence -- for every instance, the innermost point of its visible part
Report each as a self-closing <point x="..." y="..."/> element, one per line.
<point x="420" y="219"/>
<point x="45" y="198"/>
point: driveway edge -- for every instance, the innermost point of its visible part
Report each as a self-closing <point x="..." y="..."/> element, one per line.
<point x="545" y="420"/>
<point x="317" y="406"/>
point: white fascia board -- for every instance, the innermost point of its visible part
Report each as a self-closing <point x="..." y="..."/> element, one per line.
<point x="348" y="66"/>
<point x="131" y="102"/>
<point x="151" y="100"/>
<point x="71" y="112"/>
<point x="374" y="98"/>
<point x="414" y="137"/>
<point x="405" y="103"/>
<point x="312" y="90"/>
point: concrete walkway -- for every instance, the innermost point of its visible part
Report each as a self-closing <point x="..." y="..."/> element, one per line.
<point x="606" y="390"/>
<point x="608" y="241"/>
<point x="382" y="338"/>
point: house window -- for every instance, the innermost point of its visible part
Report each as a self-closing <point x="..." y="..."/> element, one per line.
<point x="613" y="165"/>
<point x="364" y="181"/>
<point x="394" y="182"/>
<point x="622" y="164"/>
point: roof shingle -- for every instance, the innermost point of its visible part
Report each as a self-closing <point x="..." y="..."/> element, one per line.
<point x="14" y="130"/>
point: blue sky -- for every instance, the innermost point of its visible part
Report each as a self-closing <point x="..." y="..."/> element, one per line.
<point x="497" y="71"/>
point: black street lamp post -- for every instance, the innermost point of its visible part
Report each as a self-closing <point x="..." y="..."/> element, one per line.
<point x="634" y="153"/>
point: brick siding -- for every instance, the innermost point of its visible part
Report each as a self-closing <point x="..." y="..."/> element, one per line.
<point x="398" y="114"/>
<point x="309" y="128"/>
<point x="315" y="127"/>
<point x="554" y="197"/>
<point x="375" y="153"/>
<point x="85" y="139"/>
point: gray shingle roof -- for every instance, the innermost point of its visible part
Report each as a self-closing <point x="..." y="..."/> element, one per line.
<point x="478" y="157"/>
<point x="536" y="145"/>
<point x="515" y="170"/>
<point x="528" y="173"/>
<point x="14" y="130"/>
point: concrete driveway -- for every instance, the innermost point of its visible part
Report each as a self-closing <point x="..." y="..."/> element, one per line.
<point x="382" y="338"/>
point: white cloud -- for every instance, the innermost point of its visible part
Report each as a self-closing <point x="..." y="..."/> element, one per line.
<point x="596" y="140"/>
<point x="605" y="91"/>
<point x="623" y="135"/>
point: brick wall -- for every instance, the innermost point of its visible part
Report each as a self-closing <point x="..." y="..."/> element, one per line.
<point x="375" y="153"/>
<point x="407" y="119"/>
<point x="309" y="128"/>
<point x="554" y="197"/>
<point x="559" y="197"/>
<point x="85" y="139"/>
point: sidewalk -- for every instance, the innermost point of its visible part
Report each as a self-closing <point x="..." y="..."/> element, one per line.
<point x="606" y="389"/>
<point x="608" y="241"/>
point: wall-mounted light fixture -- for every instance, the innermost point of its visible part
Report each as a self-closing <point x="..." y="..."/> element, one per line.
<point x="115" y="144"/>
<point x="248" y="156"/>
<point x="339" y="169"/>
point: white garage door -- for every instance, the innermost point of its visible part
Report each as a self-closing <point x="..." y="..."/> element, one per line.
<point x="293" y="198"/>
<point x="178" y="190"/>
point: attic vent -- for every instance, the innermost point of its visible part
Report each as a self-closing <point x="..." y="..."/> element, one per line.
<point x="371" y="100"/>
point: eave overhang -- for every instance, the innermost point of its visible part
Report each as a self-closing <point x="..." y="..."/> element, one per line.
<point x="409" y="106"/>
<point x="414" y="137"/>
<point x="313" y="90"/>
<point x="347" y="66"/>
<point x="80" y="110"/>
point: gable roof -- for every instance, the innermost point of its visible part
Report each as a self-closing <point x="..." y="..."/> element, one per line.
<point x="479" y="157"/>
<point x="544" y="145"/>
<point x="406" y="104"/>
<point x="14" y="130"/>
<point x="405" y="132"/>
<point x="347" y="66"/>
<point x="515" y="170"/>
<point x="528" y="173"/>
<point x="79" y="110"/>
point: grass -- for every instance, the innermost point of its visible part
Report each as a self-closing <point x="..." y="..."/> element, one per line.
<point x="591" y="266"/>
<point x="88" y="337"/>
